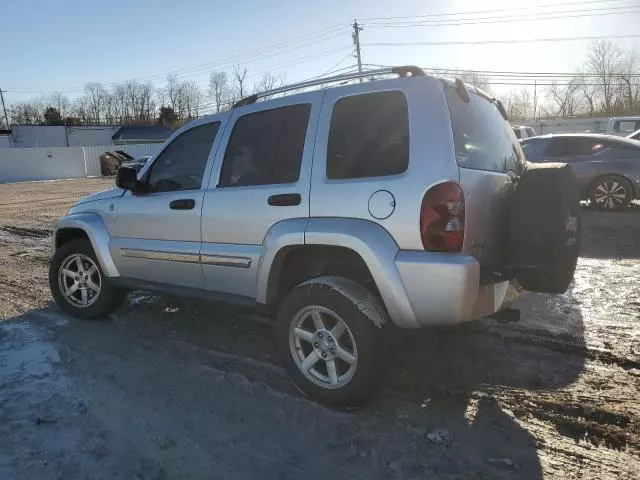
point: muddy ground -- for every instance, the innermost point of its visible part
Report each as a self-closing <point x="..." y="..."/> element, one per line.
<point x="171" y="388"/>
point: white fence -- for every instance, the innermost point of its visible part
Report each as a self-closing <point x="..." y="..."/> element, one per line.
<point x="22" y="164"/>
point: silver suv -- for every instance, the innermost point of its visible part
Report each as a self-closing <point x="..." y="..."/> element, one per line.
<point x="343" y="210"/>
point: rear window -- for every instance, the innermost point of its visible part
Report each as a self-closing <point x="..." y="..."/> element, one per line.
<point x="483" y="140"/>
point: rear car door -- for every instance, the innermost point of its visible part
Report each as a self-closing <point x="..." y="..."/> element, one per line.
<point x="158" y="230"/>
<point x="261" y="177"/>
<point x="490" y="160"/>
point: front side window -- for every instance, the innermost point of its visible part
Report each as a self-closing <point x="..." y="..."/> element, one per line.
<point x="369" y="136"/>
<point x="483" y="140"/>
<point x="181" y="164"/>
<point x="266" y="147"/>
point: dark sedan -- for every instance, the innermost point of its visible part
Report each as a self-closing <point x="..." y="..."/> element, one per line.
<point x="607" y="167"/>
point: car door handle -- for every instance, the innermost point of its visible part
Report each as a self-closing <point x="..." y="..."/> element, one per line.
<point x="182" y="204"/>
<point x="284" y="199"/>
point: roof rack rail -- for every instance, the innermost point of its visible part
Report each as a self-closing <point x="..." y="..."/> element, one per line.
<point x="401" y="71"/>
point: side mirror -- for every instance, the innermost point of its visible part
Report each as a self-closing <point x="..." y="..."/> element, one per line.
<point x="127" y="178"/>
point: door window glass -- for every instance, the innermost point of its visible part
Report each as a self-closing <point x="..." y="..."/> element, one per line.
<point x="535" y="150"/>
<point x="574" y="146"/>
<point x="369" y="136"/>
<point x="181" y="164"/>
<point x="266" y="147"/>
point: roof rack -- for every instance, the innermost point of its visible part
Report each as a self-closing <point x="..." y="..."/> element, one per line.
<point x="401" y="71"/>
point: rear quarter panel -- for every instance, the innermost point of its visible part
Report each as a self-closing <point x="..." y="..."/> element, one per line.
<point x="431" y="161"/>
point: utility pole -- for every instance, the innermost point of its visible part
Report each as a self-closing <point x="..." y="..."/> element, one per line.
<point x="535" y="98"/>
<point x="356" y="41"/>
<point x="6" y="119"/>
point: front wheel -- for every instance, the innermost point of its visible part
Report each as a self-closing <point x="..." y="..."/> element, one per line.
<point x="610" y="193"/>
<point x="329" y="334"/>
<point x="78" y="284"/>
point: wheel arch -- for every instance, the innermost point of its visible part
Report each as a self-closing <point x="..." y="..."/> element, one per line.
<point x="366" y="245"/>
<point x="92" y="227"/>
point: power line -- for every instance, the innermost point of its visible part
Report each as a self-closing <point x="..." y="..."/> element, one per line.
<point x="491" y="42"/>
<point x="251" y="56"/>
<point x="436" y="15"/>
<point x="509" y="19"/>
<point x="497" y="72"/>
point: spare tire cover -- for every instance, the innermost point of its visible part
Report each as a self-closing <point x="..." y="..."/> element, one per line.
<point x="545" y="228"/>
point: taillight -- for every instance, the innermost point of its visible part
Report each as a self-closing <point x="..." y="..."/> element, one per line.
<point x="442" y="218"/>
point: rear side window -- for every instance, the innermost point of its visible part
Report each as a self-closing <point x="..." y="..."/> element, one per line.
<point x="266" y="147"/>
<point x="369" y="136"/>
<point x="574" y="147"/>
<point x="483" y="140"/>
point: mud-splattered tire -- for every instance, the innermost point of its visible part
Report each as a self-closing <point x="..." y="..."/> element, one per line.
<point x="329" y="337"/>
<point x="78" y="284"/>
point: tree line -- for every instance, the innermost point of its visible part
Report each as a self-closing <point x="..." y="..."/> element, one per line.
<point x="133" y="102"/>
<point x="606" y="83"/>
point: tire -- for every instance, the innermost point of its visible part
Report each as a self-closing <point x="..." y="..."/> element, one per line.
<point x="98" y="304"/>
<point x="545" y="228"/>
<point x="610" y="193"/>
<point x="360" y="370"/>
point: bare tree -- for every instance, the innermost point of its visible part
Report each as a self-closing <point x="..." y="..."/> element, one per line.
<point x="60" y="102"/>
<point x="476" y="79"/>
<point x="629" y="82"/>
<point x="239" y="82"/>
<point x="603" y="62"/>
<point x="519" y="104"/>
<point x="26" y="113"/>
<point x="96" y="96"/>
<point x="219" y="90"/>
<point x="565" y="97"/>
<point x="192" y="99"/>
<point x="268" y="81"/>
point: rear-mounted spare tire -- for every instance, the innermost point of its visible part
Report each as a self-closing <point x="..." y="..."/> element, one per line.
<point x="545" y="228"/>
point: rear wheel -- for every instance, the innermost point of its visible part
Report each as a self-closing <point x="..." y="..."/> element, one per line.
<point x="78" y="284"/>
<point x="328" y="343"/>
<point x="610" y="193"/>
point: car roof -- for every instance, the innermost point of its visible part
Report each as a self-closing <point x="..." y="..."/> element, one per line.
<point x="622" y="141"/>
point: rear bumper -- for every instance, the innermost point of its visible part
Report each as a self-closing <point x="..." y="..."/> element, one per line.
<point x="445" y="289"/>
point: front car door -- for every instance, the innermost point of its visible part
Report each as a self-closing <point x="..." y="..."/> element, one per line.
<point x="261" y="177"/>
<point x="158" y="229"/>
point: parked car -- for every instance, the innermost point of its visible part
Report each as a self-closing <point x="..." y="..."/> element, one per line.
<point x="607" y="167"/>
<point x="622" y="126"/>
<point x="524" y="132"/>
<point x="337" y="211"/>
<point x="136" y="163"/>
<point x="634" y="136"/>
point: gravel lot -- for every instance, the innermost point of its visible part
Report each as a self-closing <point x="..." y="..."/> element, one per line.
<point x="172" y="388"/>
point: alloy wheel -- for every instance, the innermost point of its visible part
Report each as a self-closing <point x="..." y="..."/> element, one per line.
<point x="609" y="194"/>
<point x="323" y="347"/>
<point x="79" y="280"/>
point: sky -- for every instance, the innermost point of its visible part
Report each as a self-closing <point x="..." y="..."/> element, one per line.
<point x="52" y="45"/>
